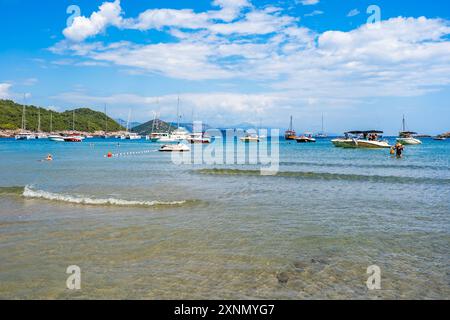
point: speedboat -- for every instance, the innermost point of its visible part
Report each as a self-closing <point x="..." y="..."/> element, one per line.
<point x="306" y="138"/>
<point x="25" y="136"/>
<point x="250" y="138"/>
<point x="73" y="138"/>
<point x="130" y="136"/>
<point x="361" y="139"/>
<point x="198" y="138"/>
<point x="439" y="138"/>
<point x="56" y="137"/>
<point x="180" y="147"/>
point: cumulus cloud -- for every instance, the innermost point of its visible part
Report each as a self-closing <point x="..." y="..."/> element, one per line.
<point x="314" y="13"/>
<point x="4" y="91"/>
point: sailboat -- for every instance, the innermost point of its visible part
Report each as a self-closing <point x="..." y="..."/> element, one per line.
<point x="40" y="134"/>
<point x="179" y="134"/>
<point x="406" y="137"/>
<point x="322" y="133"/>
<point x="24" y="134"/>
<point x="130" y="135"/>
<point x="52" y="136"/>
<point x="73" y="137"/>
<point x="290" y="134"/>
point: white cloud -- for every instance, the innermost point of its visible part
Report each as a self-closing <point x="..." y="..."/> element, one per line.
<point x="353" y="13"/>
<point x="309" y="2"/>
<point x="109" y="14"/>
<point x="314" y="13"/>
<point x="4" y="91"/>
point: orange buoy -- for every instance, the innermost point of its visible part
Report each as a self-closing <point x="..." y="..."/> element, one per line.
<point x="109" y="155"/>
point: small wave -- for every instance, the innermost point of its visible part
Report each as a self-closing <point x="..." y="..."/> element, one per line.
<point x="327" y="176"/>
<point x="356" y="165"/>
<point x="41" y="194"/>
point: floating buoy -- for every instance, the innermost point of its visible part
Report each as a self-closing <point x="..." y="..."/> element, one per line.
<point x="109" y="155"/>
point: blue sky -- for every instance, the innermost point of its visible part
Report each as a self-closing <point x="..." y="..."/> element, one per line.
<point x="234" y="61"/>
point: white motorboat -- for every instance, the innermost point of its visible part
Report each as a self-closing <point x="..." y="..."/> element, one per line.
<point x="250" y="138"/>
<point x="56" y="137"/>
<point x="306" y="138"/>
<point x="130" y="136"/>
<point x="24" y="135"/>
<point x="180" y="134"/>
<point x="198" y="138"/>
<point x="361" y="139"/>
<point x="180" y="147"/>
<point x="155" y="136"/>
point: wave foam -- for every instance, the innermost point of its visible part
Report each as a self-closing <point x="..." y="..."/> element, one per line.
<point x="41" y="194"/>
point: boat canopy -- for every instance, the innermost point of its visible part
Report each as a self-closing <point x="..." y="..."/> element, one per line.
<point x="408" y="132"/>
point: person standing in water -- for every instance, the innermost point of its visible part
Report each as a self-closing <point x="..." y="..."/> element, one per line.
<point x="399" y="150"/>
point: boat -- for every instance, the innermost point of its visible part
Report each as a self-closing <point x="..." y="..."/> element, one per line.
<point x="180" y="134"/>
<point x="130" y="136"/>
<point x="179" y="147"/>
<point x="155" y="136"/>
<point x="24" y="134"/>
<point x="321" y="134"/>
<point x="361" y="139"/>
<point x="56" y="137"/>
<point x="290" y="134"/>
<point x="439" y="138"/>
<point x="198" y="138"/>
<point x="406" y="137"/>
<point x="73" y="138"/>
<point x="306" y="138"/>
<point x="40" y="134"/>
<point x="250" y="138"/>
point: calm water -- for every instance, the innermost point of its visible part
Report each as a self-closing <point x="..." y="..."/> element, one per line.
<point x="140" y="226"/>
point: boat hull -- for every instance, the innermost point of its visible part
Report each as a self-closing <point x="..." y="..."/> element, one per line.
<point x="409" y="141"/>
<point x="358" y="143"/>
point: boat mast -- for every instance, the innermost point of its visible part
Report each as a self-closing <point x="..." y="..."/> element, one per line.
<point x="73" y="120"/>
<point x="128" y="120"/>
<point x="290" y="125"/>
<point x="24" y="124"/>
<point x="39" y="119"/>
<point x="51" y="121"/>
<point x="178" y="112"/>
<point x="403" y="123"/>
<point x="106" y="121"/>
<point x="322" y="123"/>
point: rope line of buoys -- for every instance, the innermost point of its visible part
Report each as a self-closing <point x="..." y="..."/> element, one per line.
<point x="124" y="154"/>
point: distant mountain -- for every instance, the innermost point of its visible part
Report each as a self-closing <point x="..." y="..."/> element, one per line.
<point x="146" y="128"/>
<point x="123" y="123"/>
<point x="85" y="118"/>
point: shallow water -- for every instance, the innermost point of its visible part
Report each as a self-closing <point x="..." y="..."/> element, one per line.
<point x="140" y="226"/>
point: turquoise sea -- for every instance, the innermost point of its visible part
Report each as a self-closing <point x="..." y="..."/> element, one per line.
<point x="140" y="226"/>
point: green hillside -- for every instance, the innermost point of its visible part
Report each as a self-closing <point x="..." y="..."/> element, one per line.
<point x="146" y="128"/>
<point x="85" y="118"/>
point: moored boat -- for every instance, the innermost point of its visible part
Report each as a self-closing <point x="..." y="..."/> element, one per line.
<point x="290" y="134"/>
<point x="361" y="139"/>
<point x="198" y="138"/>
<point x="180" y="147"/>
<point x="406" y="137"/>
<point x="306" y="138"/>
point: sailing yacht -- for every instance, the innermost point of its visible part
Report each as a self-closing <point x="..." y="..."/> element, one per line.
<point x="130" y="135"/>
<point x="322" y="133"/>
<point x="24" y="134"/>
<point x="179" y="134"/>
<point x="406" y="137"/>
<point x="40" y="134"/>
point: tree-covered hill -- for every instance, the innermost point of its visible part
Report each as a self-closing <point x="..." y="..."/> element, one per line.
<point x="146" y="128"/>
<point x="85" y="118"/>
